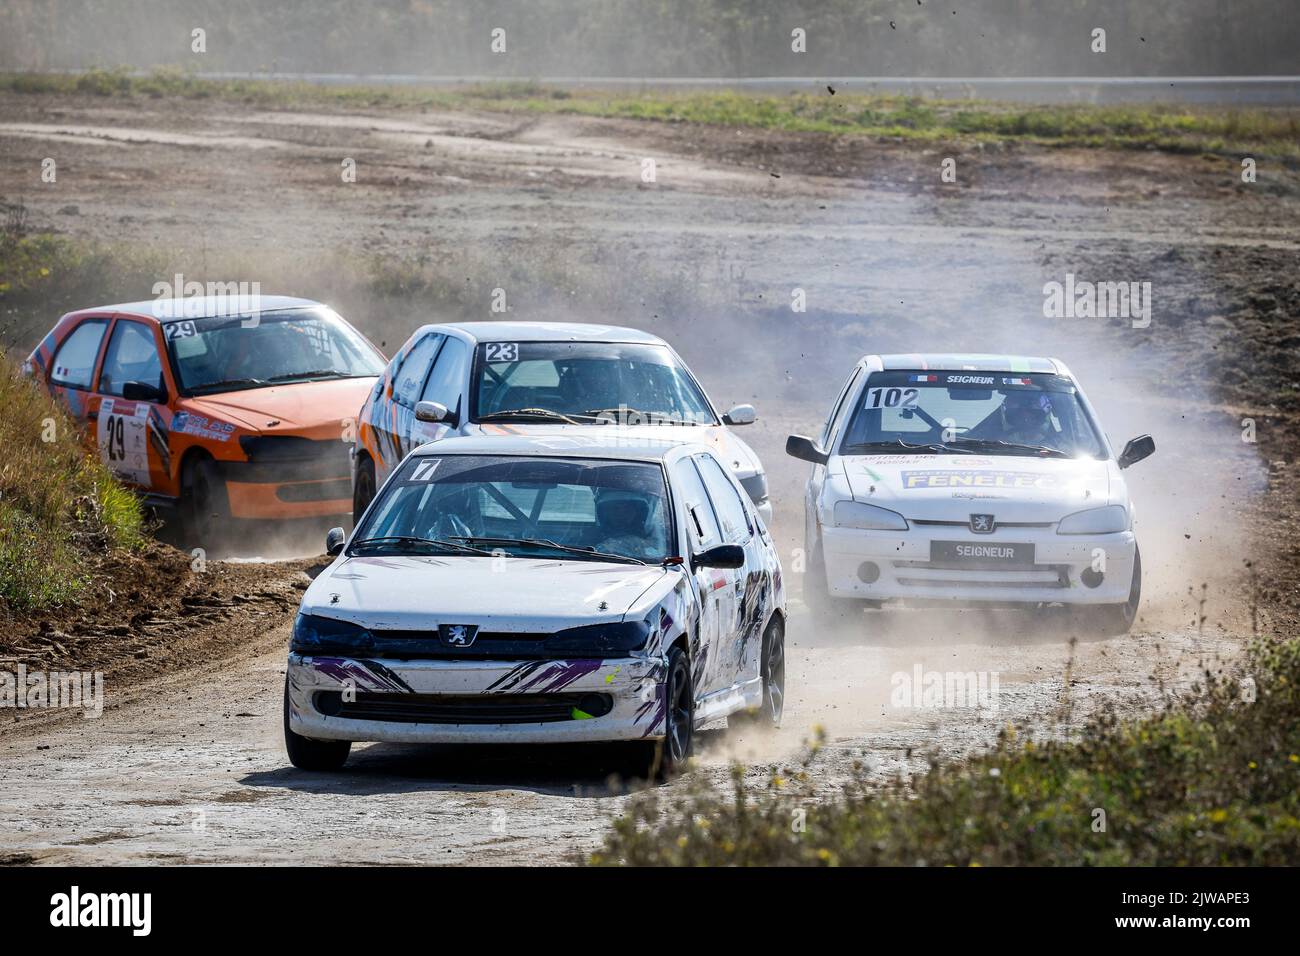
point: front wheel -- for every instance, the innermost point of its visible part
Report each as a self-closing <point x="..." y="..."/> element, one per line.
<point x="363" y="489"/>
<point x="307" y="754"/>
<point x="1113" y="620"/>
<point x="669" y="755"/>
<point x="817" y="592"/>
<point x="205" y="503"/>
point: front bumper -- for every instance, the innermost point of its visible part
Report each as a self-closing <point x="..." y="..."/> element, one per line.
<point x="631" y="687"/>
<point x="900" y="563"/>
<point x="289" y="499"/>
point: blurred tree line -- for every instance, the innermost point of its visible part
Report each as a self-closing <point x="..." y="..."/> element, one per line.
<point x="661" y="37"/>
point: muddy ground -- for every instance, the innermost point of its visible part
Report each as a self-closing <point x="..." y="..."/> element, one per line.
<point x="186" y="763"/>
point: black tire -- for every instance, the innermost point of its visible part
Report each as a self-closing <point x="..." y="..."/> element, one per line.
<point x="772" y="670"/>
<point x="668" y="756"/>
<point x="1115" y="620"/>
<point x="205" y="502"/>
<point x="363" y="490"/>
<point x="816" y="590"/>
<point x="773" y="673"/>
<point x="307" y="754"/>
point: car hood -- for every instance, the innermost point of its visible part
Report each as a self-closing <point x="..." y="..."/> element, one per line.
<point x="302" y="405"/>
<point x="952" y="487"/>
<point x="521" y="595"/>
<point x="729" y="448"/>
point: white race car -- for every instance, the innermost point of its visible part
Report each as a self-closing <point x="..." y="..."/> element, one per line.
<point x="540" y="589"/>
<point x="491" y="378"/>
<point x="982" y="479"/>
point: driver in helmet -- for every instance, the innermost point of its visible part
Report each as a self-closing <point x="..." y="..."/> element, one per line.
<point x="1026" y="418"/>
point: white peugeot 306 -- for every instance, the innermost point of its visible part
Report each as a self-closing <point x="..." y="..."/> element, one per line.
<point x="541" y="589"/>
<point x="978" y="479"/>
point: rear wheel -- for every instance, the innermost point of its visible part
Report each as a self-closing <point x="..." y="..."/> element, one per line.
<point x="772" y="670"/>
<point x="307" y="754"/>
<point x="1112" y="620"/>
<point x="204" y="501"/>
<point x="363" y="490"/>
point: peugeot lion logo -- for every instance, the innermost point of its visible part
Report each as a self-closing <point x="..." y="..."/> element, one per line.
<point x="458" y="635"/>
<point x="981" y="524"/>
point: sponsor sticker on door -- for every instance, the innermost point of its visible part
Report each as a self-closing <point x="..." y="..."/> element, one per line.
<point x="121" y="433"/>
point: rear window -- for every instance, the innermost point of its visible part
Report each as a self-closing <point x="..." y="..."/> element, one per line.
<point x="74" y="363"/>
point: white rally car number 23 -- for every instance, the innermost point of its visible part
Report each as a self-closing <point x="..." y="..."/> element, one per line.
<point x="121" y="434"/>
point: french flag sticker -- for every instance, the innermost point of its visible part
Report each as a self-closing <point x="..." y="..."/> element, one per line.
<point x="1017" y="381"/>
<point x="923" y="378"/>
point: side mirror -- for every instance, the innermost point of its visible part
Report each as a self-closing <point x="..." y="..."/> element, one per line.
<point x="430" y="412"/>
<point x="143" y="392"/>
<point x="1138" y="448"/>
<point x="723" y="556"/>
<point x="335" y="538"/>
<point x="740" y="415"/>
<point x="805" y="449"/>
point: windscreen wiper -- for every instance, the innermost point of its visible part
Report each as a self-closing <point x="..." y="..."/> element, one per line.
<point x="528" y="413"/>
<point x="314" y="373"/>
<point x="225" y="383"/>
<point x="543" y="543"/>
<point x="410" y="540"/>
<point x="900" y="446"/>
<point x="998" y="443"/>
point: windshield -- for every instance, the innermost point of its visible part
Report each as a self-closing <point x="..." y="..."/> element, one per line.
<point x="990" y="413"/>
<point x="230" y="353"/>
<point x="523" y="506"/>
<point x="588" y="382"/>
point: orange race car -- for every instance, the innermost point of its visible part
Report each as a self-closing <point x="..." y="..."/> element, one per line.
<point x="209" y="406"/>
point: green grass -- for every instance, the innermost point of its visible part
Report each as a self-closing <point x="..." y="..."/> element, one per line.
<point x="58" y="505"/>
<point x="1261" y="132"/>
<point x="1212" y="780"/>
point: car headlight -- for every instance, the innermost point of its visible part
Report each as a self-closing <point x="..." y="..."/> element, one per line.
<point x="324" y="635"/>
<point x="855" y="514"/>
<point x="1107" y="520"/>
<point x="756" y="487"/>
<point x="600" y="639"/>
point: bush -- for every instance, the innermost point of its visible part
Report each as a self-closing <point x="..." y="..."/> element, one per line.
<point x="58" y="505"/>
<point x="1213" y="780"/>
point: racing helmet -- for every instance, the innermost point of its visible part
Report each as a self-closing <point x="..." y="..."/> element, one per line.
<point x="1027" y="410"/>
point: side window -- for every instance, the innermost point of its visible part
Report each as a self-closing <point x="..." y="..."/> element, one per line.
<point x="132" y="356"/>
<point x="726" y="500"/>
<point x="74" y="363"/>
<point x="700" y="519"/>
<point x="835" y="410"/>
<point x="406" y="387"/>
<point x="447" y="379"/>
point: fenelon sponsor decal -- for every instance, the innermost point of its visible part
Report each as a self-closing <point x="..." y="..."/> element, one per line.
<point x="975" y="479"/>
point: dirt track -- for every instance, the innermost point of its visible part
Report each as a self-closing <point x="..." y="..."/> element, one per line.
<point x="870" y="234"/>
